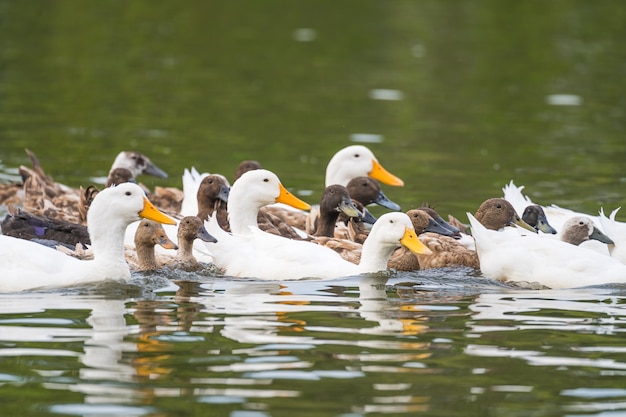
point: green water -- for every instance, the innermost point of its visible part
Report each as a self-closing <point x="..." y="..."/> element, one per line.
<point x="469" y="86"/>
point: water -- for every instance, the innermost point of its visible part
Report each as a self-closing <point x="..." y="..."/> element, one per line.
<point x="457" y="98"/>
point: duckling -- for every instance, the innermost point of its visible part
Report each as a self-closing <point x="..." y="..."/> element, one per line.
<point x="149" y="233"/>
<point x="190" y="228"/>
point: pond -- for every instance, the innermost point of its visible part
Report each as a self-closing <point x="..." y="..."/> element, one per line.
<point x="457" y="98"/>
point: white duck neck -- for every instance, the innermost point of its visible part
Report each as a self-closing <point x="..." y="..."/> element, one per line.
<point x="375" y="255"/>
<point x="242" y="211"/>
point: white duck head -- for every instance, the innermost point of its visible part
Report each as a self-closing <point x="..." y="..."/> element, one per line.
<point x="253" y="190"/>
<point x="357" y="161"/>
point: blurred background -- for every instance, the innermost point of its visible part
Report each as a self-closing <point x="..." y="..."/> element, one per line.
<point x="456" y="97"/>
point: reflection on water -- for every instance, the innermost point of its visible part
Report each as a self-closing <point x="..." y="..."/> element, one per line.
<point x="457" y="98"/>
<point x="354" y="346"/>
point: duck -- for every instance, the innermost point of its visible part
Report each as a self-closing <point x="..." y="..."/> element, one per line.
<point x="453" y="230"/>
<point x="581" y="229"/>
<point x="535" y="217"/>
<point x="212" y="197"/>
<point x="45" y="197"/>
<point x="148" y="234"/>
<point x="530" y="258"/>
<point x="138" y="164"/>
<point x="335" y="201"/>
<point x="24" y="225"/>
<point x="346" y="164"/>
<point x="445" y="250"/>
<point x="444" y="243"/>
<point x="497" y="213"/>
<point x="191" y="180"/>
<point x="28" y="266"/>
<point x="366" y="191"/>
<point x="250" y="252"/>
<point x="356" y="161"/>
<point x="557" y="215"/>
<point x="190" y="228"/>
<point x="245" y="166"/>
<point x="263" y="255"/>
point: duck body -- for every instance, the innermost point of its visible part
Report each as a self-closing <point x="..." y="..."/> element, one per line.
<point x="555" y="214"/>
<point x="446" y="250"/>
<point x="27" y="265"/>
<point x="265" y="256"/>
<point x="28" y="226"/>
<point x="550" y="262"/>
<point x="616" y="231"/>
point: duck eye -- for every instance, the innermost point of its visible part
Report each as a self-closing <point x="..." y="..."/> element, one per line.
<point x="266" y="180"/>
<point x="128" y="193"/>
<point x="356" y="155"/>
<point x="581" y="222"/>
<point x="498" y="205"/>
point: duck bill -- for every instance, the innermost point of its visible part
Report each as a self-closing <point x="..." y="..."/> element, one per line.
<point x="381" y="174"/>
<point x="166" y="243"/>
<point x="347" y="207"/>
<point x="382" y="200"/>
<point x="412" y="243"/>
<point x="154" y="170"/>
<point x="434" y="227"/>
<point x="205" y="236"/>
<point x="598" y="235"/>
<point x="286" y="197"/>
<point x="367" y="217"/>
<point x="521" y="223"/>
<point x="152" y="213"/>
<point x="224" y="193"/>
<point x="543" y="226"/>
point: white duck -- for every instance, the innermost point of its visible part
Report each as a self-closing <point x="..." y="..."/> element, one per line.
<point x="558" y="216"/>
<point x="27" y="265"/>
<point x="250" y="252"/>
<point x="357" y="161"/>
<point x="550" y="262"/>
<point x="555" y="214"/>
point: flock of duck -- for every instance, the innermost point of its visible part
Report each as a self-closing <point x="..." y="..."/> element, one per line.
<point x="55" y="236"/>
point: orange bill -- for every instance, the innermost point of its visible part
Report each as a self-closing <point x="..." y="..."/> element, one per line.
<point x="152" y="213"/>
<point x="412" y="243"/>
<point x="381" y="174"/>
<point x="286" y="197"/>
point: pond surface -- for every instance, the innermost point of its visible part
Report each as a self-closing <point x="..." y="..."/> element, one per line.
<point x="455" y="97"/>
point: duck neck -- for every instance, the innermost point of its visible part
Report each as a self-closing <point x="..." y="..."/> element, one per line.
<point x="374" y="255"/>
<point x="107" y="242"/>
<point x="242" y="214"/>
<point x="327" y="223"/>
<point x="146" y="258"/>
<point x="185" y="250"/>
